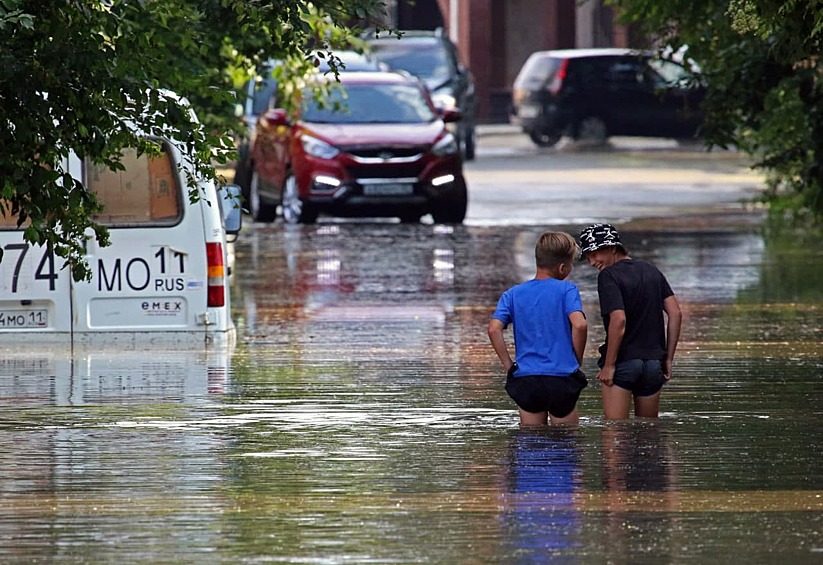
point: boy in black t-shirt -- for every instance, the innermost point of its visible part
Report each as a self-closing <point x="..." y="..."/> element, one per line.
<point x="636" y="359"/>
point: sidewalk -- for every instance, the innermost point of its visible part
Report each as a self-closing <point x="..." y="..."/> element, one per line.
<point x="501" y="137"/>
<point x="498" y="129"/>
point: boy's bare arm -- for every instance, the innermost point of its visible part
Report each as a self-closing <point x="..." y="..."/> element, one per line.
<point x="580" y="332"/>
<point x="675" y="318"/>
<point x="499" y="343"/>
<point x="614" y="338"/>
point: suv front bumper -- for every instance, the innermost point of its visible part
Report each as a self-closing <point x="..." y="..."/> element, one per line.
<point x="388" y="196"/>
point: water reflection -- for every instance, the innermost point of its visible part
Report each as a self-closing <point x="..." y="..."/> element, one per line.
<point x="542" y="519"/>
<point x="640" y="491"/>
<point x="637" y="457"/>
<point x="61" y="378"/>
<point x="79" y="487"/>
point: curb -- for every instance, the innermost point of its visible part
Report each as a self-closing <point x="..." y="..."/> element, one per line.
<point x="497" y="129"/>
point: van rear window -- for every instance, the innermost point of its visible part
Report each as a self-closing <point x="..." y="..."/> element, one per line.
<point x="146" y="192"/>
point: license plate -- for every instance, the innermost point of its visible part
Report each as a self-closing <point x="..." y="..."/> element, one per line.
<point x="528" y="111"/>
<point x="397" y="189"/>
<point x="11" y="319"/>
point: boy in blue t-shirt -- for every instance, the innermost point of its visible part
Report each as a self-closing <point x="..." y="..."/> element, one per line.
<point x="550" y="331"/>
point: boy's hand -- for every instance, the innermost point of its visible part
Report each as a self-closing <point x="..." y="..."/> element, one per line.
<point x="606" y="375"/>
<point x="667" y="369"/>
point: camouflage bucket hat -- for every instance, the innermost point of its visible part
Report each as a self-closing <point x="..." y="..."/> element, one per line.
<point x="596" y="236"/>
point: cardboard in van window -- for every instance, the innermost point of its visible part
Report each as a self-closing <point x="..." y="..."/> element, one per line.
<point x="7" y="219"/>
<point x="164" y="203"/>
<point x="123" y="194"/>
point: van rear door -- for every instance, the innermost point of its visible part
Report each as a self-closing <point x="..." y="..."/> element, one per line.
<point x="153" y="276"/>
<point x="35" y="289"/>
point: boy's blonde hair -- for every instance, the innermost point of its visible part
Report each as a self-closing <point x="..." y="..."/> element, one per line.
<point x="554" y="248"/>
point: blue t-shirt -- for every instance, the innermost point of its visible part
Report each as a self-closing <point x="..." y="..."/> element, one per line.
<point x="539" y="310"/>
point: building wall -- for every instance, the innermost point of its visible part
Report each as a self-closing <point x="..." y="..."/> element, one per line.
<point x="596" y="26"/>
<point x="523" y="37"/>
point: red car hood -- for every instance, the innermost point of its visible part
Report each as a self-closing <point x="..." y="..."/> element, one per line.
<point x="361" y="135"/>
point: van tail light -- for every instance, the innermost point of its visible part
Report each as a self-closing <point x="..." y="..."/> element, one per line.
<point x="559" y="77"/>
<point x="217" y="275"/>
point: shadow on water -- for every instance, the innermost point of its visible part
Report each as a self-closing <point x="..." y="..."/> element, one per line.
<point x="362" y="418"/>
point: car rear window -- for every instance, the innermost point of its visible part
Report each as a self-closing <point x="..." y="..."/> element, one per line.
<point x="145" y="192"/>
<point x="536" y="71"/>
<point x="627" y="72"/>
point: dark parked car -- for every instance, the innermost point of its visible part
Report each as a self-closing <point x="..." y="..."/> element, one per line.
<point x="595" y="93"/>
<point x="260" y="91"/>
<point x="432" y="57"/>
<point x="375" y="147"/>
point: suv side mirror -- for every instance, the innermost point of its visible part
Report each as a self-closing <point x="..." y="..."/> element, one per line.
<point x="450" y="115"/>
<point x="230" y="208"/>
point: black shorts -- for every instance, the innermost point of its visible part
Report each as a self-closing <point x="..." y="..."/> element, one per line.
<point x="545" y="393"/>
<point x="644" y="377"/>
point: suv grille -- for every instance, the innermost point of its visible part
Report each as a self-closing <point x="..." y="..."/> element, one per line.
<point x="389" y="170"/>
<point x="386" y="153"/>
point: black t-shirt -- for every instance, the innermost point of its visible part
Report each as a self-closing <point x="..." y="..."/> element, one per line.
<point x="639" y="289"/>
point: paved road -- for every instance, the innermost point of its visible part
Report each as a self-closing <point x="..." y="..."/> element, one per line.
<point x="514" y="182"/>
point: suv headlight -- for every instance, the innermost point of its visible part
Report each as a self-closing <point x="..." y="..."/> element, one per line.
<point x="318" y="148"/>
<point x="446" y="146"/>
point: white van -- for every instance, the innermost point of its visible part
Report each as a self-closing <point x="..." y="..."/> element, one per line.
<point x="163" y="281"/>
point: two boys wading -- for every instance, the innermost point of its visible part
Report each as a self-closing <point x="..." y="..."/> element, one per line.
<point x="550" y="330"/>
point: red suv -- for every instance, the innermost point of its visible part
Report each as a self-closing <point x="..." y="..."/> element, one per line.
<point x="377" y="147"/>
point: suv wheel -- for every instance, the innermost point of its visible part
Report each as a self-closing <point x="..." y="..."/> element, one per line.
<point x="451" y="209"/>
<point x="242" y="172"/>
<point x="591" y="129"/>
<point x="295" y="210"/>
<point x="261" y="211"/>
<point x="469" y="145"/>
<point x="544" y="138"/>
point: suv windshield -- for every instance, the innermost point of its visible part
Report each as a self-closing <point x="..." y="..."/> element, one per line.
<point x="429" y="61"/>
<point x="263" y="87"/>
<point x="370" y="103"/>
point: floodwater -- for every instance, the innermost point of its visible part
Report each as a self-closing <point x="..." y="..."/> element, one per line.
<point x="361" y="417"/>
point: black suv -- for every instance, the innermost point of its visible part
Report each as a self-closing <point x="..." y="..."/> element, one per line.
<point x="595" y="93"/>
<point x="432" y="57"/>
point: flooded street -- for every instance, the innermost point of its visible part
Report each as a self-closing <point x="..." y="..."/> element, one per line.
<point x="361" y="416"/>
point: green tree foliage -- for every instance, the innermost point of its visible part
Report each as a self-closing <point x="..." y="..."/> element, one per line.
<point x="86" y="75"/>
<point x="761" y="61"/>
